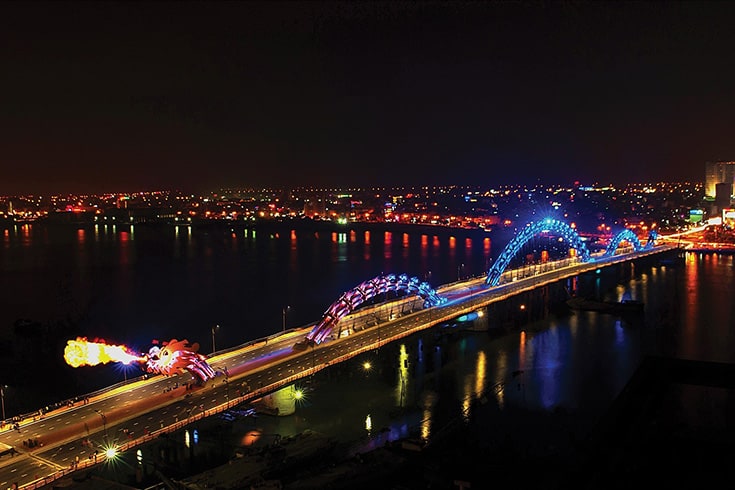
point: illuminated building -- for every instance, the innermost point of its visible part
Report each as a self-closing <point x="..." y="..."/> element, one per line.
<point x="718" y="173"/>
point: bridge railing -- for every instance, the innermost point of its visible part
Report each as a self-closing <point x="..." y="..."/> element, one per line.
<point x="535" y="269"/>
<point x="261" y="339"/>
<point x="129" y="444"/>
<point x="68" y="403"/>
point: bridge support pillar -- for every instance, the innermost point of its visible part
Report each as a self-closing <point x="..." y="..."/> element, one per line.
<point x="281" y="402"/>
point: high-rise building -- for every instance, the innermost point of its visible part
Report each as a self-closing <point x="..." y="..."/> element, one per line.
<point x="718" y="173"/>
<point x="723" y="194"/>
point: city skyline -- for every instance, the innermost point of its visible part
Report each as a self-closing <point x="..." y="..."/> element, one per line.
<point x="116" y="97"/>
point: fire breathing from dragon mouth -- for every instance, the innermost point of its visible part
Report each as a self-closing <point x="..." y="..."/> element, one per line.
<point x="174" y="357"/>
<point x="80" y="352"/>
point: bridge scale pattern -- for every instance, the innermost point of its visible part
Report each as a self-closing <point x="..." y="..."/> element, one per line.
<point x="569" y="234"/>
<point x="364" y="292"/>
<point x="547" y="225"/>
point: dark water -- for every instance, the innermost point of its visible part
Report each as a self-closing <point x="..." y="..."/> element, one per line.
<point x="134" y="285"/>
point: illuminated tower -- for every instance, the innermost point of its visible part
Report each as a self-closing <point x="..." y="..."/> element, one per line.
<point x="718" y="173"/>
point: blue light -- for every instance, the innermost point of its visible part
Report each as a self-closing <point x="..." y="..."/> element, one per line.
<point x="468" y="317"/>
<point x="532" y="229"/>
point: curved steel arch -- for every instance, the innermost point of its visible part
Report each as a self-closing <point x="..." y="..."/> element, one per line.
<point x="532" y="229"/>
<point x="366" y="290"/>
<point x="625" y="235"/>
<point x="652" y="237"/>
<point x="632" y="238"/>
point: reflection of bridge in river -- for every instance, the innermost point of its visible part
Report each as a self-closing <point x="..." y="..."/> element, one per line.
<point x="143" y="409"/>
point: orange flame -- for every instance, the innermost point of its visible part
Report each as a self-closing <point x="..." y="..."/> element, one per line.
<point x="80" y="352"/>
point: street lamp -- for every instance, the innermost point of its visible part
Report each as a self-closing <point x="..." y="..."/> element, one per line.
<point x="313" y="361"/>
<point x="215" y="329"/>
<point x="2" y="395"/>
<point x="285" y="310"/>
<point x="104" y="421"/>
<point x="459" y="267"/>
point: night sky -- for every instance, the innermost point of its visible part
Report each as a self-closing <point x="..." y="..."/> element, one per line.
<point x="134" y="96"/>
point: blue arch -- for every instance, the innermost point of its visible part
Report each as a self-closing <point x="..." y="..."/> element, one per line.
<point x="625" y="235"/>
<point x="652" y="237"/>
<point x="366" y="290"/>
<point x="632" y="238"/>
<point x="532" y="229"/>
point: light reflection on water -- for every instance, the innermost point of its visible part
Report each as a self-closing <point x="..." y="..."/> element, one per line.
<point x="401" y="387"/>
<point x="480" y="375"/>
<point x="501" y="371"/>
